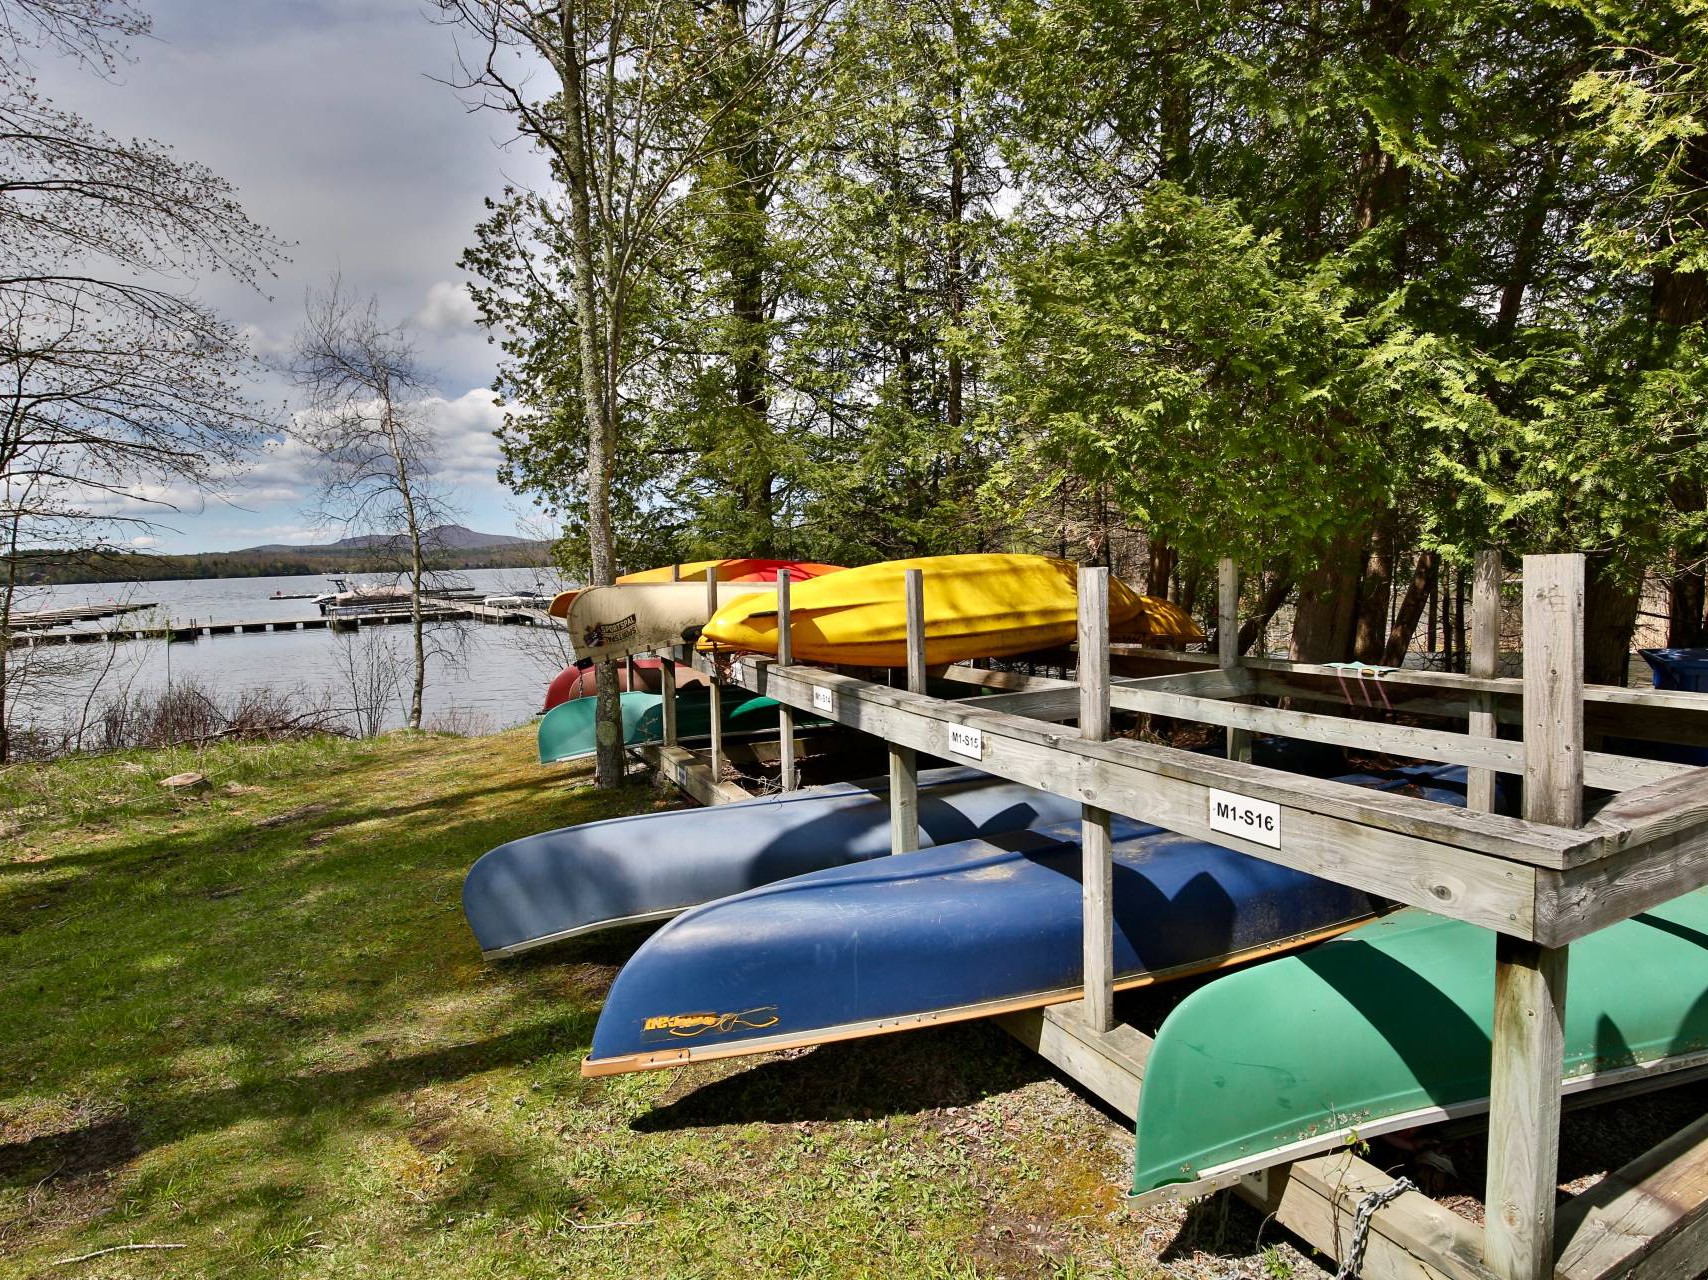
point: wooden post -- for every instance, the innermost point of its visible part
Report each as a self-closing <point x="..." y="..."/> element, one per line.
<point x="667" y="687"/>
<point x="785" y="713"/>
<point x="716" y="698"/>
<point x="1530" y="980"/>
<point x="904" y="764"/>
<point x="1096" y="853"/>
<point x="1485" y="660"/>
<point x="1227" y="645"/>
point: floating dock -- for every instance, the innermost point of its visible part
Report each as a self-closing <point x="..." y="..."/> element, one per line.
<point x="352" y="618"/>
<point x="1540" y="882"/>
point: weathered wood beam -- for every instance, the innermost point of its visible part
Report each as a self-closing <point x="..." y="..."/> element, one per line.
<point x="785" y="657"/>
<point x="1097" y="856"/>
<point x="1647" y="1219"/>
<point x="904" y="761"/>
<point x="1414" y="1238"/>
<point x="1530" y="979"/>
<point x="1392" y="845"/>
<point x="1227" y="645"/>
<point x="1485" y="657"/>
<point x="1111" y="1064"/>
<point x="1614" y="773"/>
<point x="692" y="774"/>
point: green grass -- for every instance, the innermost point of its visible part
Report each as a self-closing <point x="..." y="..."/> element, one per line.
<point x="253" y="1023"/>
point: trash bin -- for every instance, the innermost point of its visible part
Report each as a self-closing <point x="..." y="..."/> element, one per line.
<point x="1683" y="670"/>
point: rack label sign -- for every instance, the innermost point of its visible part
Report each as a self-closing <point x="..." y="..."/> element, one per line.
<point x="1256" y="820"/>
<point x="823" y="699"/>
<point x="966" y="741"/>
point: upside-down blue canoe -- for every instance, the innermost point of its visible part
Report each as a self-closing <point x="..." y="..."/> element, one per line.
<point x="962" y="931"/>
<point x="1388" y="1027"/>
<point x="576" y="880"/>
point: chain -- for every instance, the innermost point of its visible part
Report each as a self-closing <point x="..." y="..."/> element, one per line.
<point x="1367" y="1208"/>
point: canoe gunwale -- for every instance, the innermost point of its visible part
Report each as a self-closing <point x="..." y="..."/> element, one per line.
<point x="597" y="926"/>
<point x="663" y="1059"/>
<point x="1218" y="1177"/>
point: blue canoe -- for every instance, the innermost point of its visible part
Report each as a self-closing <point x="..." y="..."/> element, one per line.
<point x="576" y="880"/>
<point x="963" y="931"/>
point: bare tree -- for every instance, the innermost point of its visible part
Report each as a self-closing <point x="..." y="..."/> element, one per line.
<point x="119" y="392"/>
<point x="365" y="420"/>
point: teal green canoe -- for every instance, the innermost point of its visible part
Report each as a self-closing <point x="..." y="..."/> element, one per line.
<point x="566" y="731"/>
<point x="1386" y="1028"/>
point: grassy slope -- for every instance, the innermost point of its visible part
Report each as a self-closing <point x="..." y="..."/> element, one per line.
<point x="253" y="1023"/>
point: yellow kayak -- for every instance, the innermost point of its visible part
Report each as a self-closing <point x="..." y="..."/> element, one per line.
<point x="745" y="569"/>
<point x="976" y="606"/>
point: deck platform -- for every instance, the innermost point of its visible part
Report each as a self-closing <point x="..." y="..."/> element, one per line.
<point x="1540" y="882"/>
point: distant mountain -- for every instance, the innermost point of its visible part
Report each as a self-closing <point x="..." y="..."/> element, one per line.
<point x="447" y="537"/>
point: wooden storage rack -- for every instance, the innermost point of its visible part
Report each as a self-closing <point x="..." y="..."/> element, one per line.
<point x="1539" y="882"/>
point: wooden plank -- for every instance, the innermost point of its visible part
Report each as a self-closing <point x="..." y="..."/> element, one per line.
<point x="716" y="692"/>
<point x="904" y="763"/>
<point x="1111" y="1065"/>
<point x="1411" y="1239"/>
<point x="1553" y="689"/>
<point x="1227" y="645"/>
<point x="1485" y="659"/>
<point x="785" y="657"/>
<point x="1616" y="773"/>
<point x="1393" y="845"/>
<point x="1530" y="980"/>
<point x="1648" y="1218"/>
<point x="1097" y="854"/>
<point x="860" y="704"/>
<point x="692" y="774"/>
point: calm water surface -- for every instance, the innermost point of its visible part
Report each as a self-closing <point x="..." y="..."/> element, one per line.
<point x="495" y="679"/>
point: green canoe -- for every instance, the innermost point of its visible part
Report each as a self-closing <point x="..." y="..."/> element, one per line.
<point x="1387" y="1027"/>
<point x="566" y="731"/>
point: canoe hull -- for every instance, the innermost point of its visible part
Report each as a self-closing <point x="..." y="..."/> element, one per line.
<point x="961" y="931"/>
<point x="1388" y="1027"/>
<point x="975" y="606"/>
<point x="615" y="622"/>
<point x="567" y="731"/>
<point x="577" y="880"/>
<point x="582" y="681"/>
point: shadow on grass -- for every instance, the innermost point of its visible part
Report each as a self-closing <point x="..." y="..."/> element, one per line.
<point x="169" y="1117"/>
<point x="902" y="1074"/>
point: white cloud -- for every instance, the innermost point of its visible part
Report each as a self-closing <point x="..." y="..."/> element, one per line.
<point x="144" y="542"/>
<point x="448" y="309"/>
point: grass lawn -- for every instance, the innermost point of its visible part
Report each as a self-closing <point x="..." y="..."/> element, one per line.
<point x="253" y="1023"/>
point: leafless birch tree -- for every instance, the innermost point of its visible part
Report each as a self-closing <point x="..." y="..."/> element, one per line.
<point x="363" y="417"/>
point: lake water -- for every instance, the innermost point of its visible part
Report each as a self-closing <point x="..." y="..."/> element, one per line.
<point x="491" y="677"/>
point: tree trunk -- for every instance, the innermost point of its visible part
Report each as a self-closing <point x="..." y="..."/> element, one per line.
<point x="1418" y="593"/>
<point x="1610" y="617"/>
<point x="1323" y="619"/>
<point x="1375" y="595"/>
<point x="1687" y="599"/>
<point x="418" y="691"/>
<point x="1277" y="587"/>
<point x="1162" y="563"/>
<point x="597" y="405"/>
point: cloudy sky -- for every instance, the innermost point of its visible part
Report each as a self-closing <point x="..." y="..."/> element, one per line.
<point x="326" y="116"/>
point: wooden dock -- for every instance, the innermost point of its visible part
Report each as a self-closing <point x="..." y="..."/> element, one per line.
<point x="353" y="618"/>
<point x="1540" y="882"/>
<point x="41" y="619"/>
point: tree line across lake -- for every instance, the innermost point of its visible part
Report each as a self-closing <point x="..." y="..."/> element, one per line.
<point x="53" y="568"/>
